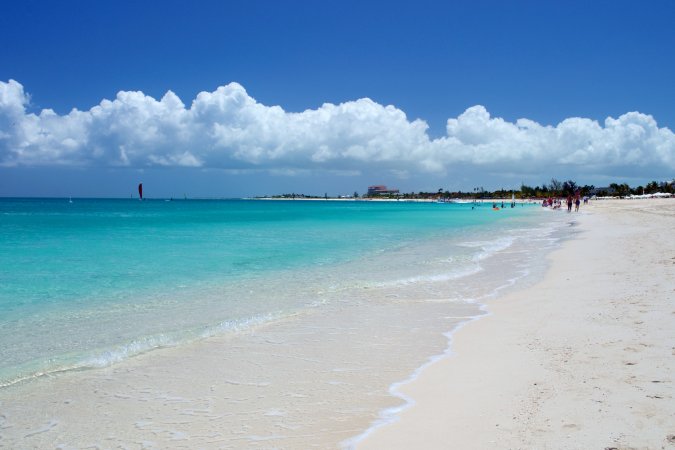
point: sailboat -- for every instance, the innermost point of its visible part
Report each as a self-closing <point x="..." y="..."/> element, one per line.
<point x="140" y="191"/>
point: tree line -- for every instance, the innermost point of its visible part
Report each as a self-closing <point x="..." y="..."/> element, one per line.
<point x="554" y="188"/>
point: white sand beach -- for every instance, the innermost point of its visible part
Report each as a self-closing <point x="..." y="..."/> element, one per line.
<point x="583" y="360"/>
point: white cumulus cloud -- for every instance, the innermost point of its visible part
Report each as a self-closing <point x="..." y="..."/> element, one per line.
<point x="229" y="129"/>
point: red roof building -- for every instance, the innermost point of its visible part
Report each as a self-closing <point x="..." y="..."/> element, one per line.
<point x="381" y="189"/>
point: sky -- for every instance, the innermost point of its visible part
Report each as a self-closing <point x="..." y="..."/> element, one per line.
<point x="230" y="99"/>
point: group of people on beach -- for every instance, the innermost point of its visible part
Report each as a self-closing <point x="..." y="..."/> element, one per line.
<point x="556" y="203"/>
<point x="576" y="200"/>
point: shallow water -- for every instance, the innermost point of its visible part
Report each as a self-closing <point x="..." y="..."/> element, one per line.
<point x="288" y="320"/>
<point x="94" y="281"/>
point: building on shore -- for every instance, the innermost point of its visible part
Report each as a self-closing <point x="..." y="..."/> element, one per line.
<point x="381" y="190"/>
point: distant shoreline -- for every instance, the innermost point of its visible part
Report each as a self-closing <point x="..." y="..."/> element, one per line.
<point x="396" y="200"/>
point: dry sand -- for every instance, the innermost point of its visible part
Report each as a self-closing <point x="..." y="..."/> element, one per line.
<point x="582" y="360"/>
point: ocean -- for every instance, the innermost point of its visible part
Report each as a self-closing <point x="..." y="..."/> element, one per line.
<point x="93" y="283"/>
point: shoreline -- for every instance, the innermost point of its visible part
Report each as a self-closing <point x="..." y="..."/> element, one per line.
<point x="529" y="375"/>
<point x="391" y="415"/>
<point x="460" y="201"/>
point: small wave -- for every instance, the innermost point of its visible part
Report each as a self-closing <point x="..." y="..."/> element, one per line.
<point x="433" y="278"/>
<point x="489" y="248"/>
<point x="137" y="347"/>
<point x="129" y="350"/>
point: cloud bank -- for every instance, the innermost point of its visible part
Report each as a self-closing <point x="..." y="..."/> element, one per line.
<point x="229" y="129"/>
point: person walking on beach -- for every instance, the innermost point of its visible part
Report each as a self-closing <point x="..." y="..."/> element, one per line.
<point x="577" y="202"/>
<point x="569" y="203"/>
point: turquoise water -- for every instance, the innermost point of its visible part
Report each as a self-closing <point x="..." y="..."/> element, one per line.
<point x="88" y="283"/>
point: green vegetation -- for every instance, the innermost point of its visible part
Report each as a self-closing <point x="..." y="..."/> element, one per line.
<point x="554" y="188"/>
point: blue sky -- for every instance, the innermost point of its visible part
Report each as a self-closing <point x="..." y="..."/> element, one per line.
<point x="545" y="62"/>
